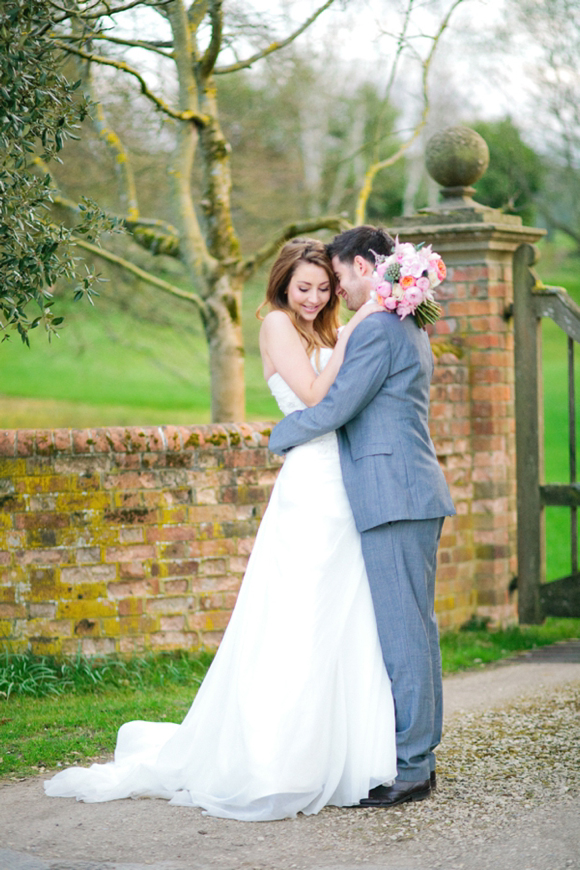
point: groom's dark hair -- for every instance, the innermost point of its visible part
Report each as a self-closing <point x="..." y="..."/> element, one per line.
<point x="364" y="241"/>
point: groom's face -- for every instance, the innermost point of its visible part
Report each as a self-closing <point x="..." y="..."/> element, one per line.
<point x="354" y="284"/>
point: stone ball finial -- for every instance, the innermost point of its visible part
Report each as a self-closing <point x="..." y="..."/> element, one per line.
<point x="456" y="158"/>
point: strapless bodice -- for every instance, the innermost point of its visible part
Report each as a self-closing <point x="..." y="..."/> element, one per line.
<point x="286" y="398"/>
<point x="325" y="445"/>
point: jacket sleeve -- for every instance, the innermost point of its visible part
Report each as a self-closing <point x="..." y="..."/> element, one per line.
<point x="366" y="366"/>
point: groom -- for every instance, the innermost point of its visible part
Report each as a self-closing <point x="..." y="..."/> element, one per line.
<point x="379" y="407"/>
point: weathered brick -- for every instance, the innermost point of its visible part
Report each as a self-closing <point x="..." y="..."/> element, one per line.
<point x="49" y="628"/>
<point x="140" y="588"/>
<point x="209" y="620"/>
<point x="170" y="640"/>
<point x="171" y="533"/>
<point x="90" y="609"/>
<point x="168" y="605"/>
<point x="88" y="574"/>
<point x="42" y="557"/>
<point x="132" y="570"/>
<point x="129" y="553"/>
<point x="131" y="607"/>
<point x="88" y="554"/>
<point x="175" y="587"/>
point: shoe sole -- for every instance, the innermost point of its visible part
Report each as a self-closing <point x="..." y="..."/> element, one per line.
<point x="410" y="798"/>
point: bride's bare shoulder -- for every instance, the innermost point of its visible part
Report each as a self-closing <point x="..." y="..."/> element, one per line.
<point x="275" y="323"/>
<point x="276" y="316"/>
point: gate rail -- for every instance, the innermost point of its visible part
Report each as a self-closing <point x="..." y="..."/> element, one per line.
<point x="532" y="302"/>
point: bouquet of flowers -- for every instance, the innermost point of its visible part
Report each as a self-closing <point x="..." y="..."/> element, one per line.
<point x="404" y="281"/>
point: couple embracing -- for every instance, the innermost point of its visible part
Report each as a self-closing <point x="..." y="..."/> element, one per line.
<point x="326" y="688"/>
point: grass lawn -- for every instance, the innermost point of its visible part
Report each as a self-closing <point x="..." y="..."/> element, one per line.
<point x="123" y="362"/>
<point x="80" y="725"/>
<point x="555" y="270"/>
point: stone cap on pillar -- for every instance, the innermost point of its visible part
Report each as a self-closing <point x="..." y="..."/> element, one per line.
<point x="456" y="158"/>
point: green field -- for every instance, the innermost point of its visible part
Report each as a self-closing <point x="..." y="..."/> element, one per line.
<point x="564" y="272"/>
<point x="140" y="358"/>
<point x="123" y="362"/>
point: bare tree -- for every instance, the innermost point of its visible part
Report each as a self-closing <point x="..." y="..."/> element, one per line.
<point x="549" y="38"/>
<point x="196" y="44"/>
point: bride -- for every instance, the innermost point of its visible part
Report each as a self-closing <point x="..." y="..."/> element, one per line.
<point x="296" y="711"/>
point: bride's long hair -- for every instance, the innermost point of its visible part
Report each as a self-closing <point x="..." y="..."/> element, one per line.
<point x="297" y="251"/>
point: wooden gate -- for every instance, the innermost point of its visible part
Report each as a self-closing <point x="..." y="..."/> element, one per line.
<point x="532" y="301"/>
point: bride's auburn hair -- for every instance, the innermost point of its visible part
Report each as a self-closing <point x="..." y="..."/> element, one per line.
<point x="294" y="252"/>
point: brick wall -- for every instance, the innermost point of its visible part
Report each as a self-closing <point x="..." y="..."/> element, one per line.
<point x="130" y="539"/>
<point x="127" y="539"/>
<point x="473" y="406"/>
<point x="473" y="424"/>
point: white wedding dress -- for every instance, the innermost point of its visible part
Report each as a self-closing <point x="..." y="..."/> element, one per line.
<point x="296" y="711"/>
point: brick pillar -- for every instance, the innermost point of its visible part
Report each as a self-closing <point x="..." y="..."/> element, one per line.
<point x="472" y="404"/>
<point x="473" y="407"/>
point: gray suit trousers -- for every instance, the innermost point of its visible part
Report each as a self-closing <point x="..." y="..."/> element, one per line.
<point x="400" y="559"/>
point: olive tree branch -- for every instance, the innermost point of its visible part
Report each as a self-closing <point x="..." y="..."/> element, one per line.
<point x="274" y="46"/>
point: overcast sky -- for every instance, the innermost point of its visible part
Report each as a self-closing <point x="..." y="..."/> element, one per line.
<point x="472" y="77"/>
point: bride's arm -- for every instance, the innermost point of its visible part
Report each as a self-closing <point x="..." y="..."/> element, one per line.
<point x="282" y="348"/>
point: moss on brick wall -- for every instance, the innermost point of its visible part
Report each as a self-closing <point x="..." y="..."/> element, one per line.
<point x="121" y="540"/>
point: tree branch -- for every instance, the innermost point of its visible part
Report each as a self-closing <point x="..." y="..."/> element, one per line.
<point x="376" y="167"/>
<point x="106" y="10"/>
<point x="188" y="115"/>
<point x="196" y="14"/>
<point x="143" y="275"/>
<point x="153" y="234"/>
<point x="124" y="170"/>
<point x="274" y="46"/>
<point x="248" y="265"/>
<point x="211" y="53"/>
<point x="131" y="43"/>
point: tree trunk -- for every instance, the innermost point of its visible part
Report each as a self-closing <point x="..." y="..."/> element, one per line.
<point x="223" y="329"/>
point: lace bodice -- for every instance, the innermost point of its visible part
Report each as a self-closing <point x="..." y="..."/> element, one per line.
<point x="286" y="398"/>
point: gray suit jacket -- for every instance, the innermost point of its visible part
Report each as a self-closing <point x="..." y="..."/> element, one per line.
<point x="379" y="406"/>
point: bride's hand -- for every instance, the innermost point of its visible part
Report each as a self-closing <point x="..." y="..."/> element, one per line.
<point x="364" y="311"/>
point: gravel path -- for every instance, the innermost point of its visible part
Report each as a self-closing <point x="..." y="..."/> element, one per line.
<point x="509" y="782"/>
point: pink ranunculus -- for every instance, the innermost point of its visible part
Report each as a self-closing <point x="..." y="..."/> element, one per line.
<point x="390" y="303"/>
<point x="423" y="284"/>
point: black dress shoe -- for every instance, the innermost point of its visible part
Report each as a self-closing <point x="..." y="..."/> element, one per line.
<point x="398" y="793"/>
<point x="433" y="780"/>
